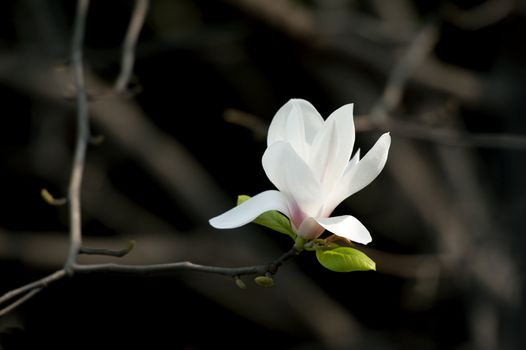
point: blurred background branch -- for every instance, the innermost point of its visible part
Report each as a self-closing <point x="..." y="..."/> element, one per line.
<point x="130" y="42"/>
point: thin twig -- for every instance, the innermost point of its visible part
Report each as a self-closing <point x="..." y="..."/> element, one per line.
<point x="108" y="252"/>
<point x="168" y="268"/>
<point x="484" y="15"/>
<point x="39" y="284"/>
<point x="415" y="54"/>
<point x="34" y="287"/>
<point x="82" y="134"/>
<point x="248" y="121"/>
<point x="290" y="16"/>
<point x="20" y="301"/>
<point x="457" y="138"/>
<point x="155" y="269"/>
<point x="442" y="135"/>
<point x="128" y="50"/>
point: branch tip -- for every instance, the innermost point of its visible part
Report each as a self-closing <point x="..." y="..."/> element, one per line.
<point x="108" y="252"/>
<point x="50" y="199"/>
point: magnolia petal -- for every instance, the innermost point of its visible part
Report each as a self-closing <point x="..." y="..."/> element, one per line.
<point x="251" y="209"/>
<point x="354" y="160"/>
<point x="291" y="175"/>
<point x="346" y="226"/>
<point x="332" y="147"/>
<point x="360" y="173"/>
<point x="370" y="166"/>
<point x="295" y="131"/>
<point x="296" y="117"/>
<point x="310" y="229"/>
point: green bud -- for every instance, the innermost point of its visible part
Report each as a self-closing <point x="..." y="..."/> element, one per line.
<point x="48" y="197"/>
<point x="240" y="283"/>
<point x="264" y="281"/>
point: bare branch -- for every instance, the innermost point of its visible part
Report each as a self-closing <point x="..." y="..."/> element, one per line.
<point x="108" y="252"/>
<point x="82" y="134"/>
<point x="483" y="15"/>
<point x="289" y="16"/>
<point x="247" y="120"/>
<point x="442" y="136"/>
<point x="19" y="302"/>
<point x="29" y="289"/>
<point x="34" y="287"/>
<point x="453" y="137"/>
<point x="415" y="54"/>
<point x="128" y="51"/>
<point x="270" y="268"/>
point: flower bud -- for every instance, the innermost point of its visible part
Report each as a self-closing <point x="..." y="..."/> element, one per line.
<point x="264" y="281"/>
<point x="240" y="283"/>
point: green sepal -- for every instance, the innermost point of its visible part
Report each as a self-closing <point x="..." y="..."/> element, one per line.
<point x="271" y="219"/>
<point x="344" y="259"/>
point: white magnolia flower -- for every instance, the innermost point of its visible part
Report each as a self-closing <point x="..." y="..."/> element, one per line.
<point x="308" y="160"/>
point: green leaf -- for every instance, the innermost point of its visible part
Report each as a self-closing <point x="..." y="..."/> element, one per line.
<point x="345" y="259"/>
<point x="271" y="219"/>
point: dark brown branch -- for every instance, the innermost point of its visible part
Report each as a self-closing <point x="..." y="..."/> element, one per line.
<point x="457" y="138"/>
<point x="169" y="268"/>
<point x="270" y="268"/>
<point x="108" y="252"/>
<point x="415" y="54"/>
<point x="441" y="136"/>
<point x="480" y="16"/>
<point x="29" y="290"/>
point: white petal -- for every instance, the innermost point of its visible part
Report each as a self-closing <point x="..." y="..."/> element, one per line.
<point x="295" y="131"/>
<point x="359" y="174"/>
<point x="297" y="121"/>
<point x="332" y="147"/>
<point x="251" y="209"/>
<point x="310" y="229"/>
<point x="346" y="226"/>
<point x="354" y="160"/>
<point x="291" y="175"/>
<point x="370" y="166"/>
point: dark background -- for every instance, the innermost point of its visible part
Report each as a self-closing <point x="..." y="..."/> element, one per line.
<point x="446" y="214"/>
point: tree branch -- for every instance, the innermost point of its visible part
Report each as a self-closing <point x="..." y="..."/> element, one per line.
<point x="31" y="289"/>
<point x="415" y="54"/>
<point x="108" y="252"/>
<point x="446" y="136"/>
<point x="270" y="268"/>
<point x="20" y="301"/>
<point x="75" y="183"/>
<point x="128" y="50"/>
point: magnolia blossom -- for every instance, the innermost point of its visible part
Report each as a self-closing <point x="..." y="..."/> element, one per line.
<point x="309" y="161"/>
